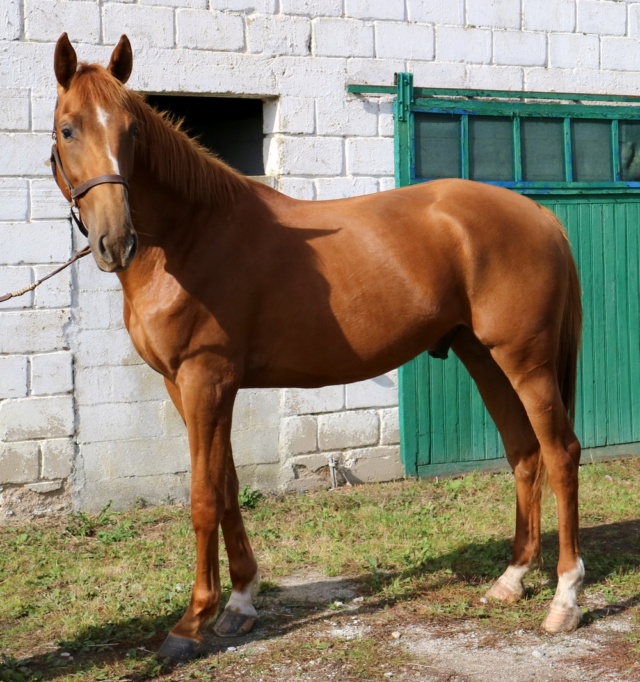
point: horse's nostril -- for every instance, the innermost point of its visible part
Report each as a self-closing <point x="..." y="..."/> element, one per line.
<point x="105" y="254"/>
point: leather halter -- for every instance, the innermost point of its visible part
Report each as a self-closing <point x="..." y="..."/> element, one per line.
<point x="82" y="188"/>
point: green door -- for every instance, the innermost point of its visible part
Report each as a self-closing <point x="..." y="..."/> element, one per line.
<point x="581" y="162"/>
<point x="446" y="427"/>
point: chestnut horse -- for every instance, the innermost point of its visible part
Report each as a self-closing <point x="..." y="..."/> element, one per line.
<point x="229" y="284"/>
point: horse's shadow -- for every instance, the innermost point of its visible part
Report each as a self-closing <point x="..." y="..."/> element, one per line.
<point x="607" y="550"/>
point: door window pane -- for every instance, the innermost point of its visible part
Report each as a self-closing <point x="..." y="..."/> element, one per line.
<point x="437" y="146"/>
<point x="629" y="132"/>
<point x="591" y="148"/>
<point x="542" y="149"/>
<point x="490" y="148"/>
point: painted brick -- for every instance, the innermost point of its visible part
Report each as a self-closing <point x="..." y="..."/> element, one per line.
<point x="190" y="4"/>
<point x="602" y="17"/>
<point x="14" y="113"/>
<point x="298" y="436"/>
<point x="549" y="15"/>
<point x="139" y="457"/>
<point x="119" y="421"/>
<point x="256" y="426"/>
<point x="35" y="418"/>
<point x="385" y="118"/>
<point x="57" y="458"/>
<point x="308" y="77"/>
<point x="293" y="115"/>
<point x="13" y="376"/>
<point x="31" y="60"/>
<point x="389" y="426"/>
<point x="371" y="465"/>
<point x="619" y="54"/>
<point x="126" y="492"/>
<point x="347" y="430"/>
<point x="14" y="199"/>
<point x="257" y="6"/>
<point x="43" y="104"/>
<point x="47" y="201"/>
<point x="353" y="116"/>
<point x="373" y="71"/>
<point x="379" y="392"/>
<point x="375" y="9"/>
<point x="633" y="30"/>
<point x="312" y="8"/>
<point x="13" y="279"/>
<point x="101" y="310"/>
<point x="91" y="278"/>
<point x="395" y="40"/>
<point x="52" y="373"/>
<point x="367" y="154"/>
<point x="574" y="51"/>
<point x="139" y="383"/>
<point x="437" y="74"/>
<point x="31" y="331"/>
<point x="481" y="76"/>
<point x="450" y="12"/>
<point x="339" y="188"/>
<point x="299" y="188"/>
<point x="330" y="36"/>
<point x="172" y="424"/>
<point x="45" y="20"/>
<point x="93" y="386"/>
<point x="95" y="347"/>
<point x="10" y="20"/>
<point x="145" y="26"/>
<point x="25" y="154"/>
<point x="519" y="48"/>
<point x="308" y="155"/>
<point x="584" y="80"/>
<point x="278" y="35"/>
<point x="468" y="45"/>
<point x="256" y="447"/>
<point x="387" y="184"/>
<point x="313" y="401"/>
<point x="494" y="13"/>
<point x="19" y="462"/>
<point x="209" y="30"/>
<point x="45" y="242"/>
<point x="55" y="292"/>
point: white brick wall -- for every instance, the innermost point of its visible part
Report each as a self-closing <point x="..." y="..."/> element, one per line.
<point x="76" y="403"/>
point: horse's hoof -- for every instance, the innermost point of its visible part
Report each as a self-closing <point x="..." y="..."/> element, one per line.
<point x="232" y="624"/>
<point x="503" y="592"/>
<point x="179" y="648"/>
<point x="562" y="620"/>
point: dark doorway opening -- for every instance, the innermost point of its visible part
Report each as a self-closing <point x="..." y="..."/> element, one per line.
<point x="230" y="127"/>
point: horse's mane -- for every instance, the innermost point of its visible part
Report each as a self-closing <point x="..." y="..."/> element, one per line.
<point x="174" y="158"/>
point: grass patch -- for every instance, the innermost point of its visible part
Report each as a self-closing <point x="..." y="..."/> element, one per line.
<point x="90" y="597"/>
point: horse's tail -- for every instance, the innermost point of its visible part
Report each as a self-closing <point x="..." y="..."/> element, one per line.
<point x="569" y="341"/>
<point x="570" y="335"/>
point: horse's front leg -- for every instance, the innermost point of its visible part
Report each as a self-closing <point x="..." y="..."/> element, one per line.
<point x="206" y="405"/>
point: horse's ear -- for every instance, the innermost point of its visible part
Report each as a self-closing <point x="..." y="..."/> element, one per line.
<point x="65" y="61"/>
<point x="121" y="60"/>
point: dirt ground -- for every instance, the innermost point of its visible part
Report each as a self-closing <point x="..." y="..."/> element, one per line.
<point x="457" y="651"/>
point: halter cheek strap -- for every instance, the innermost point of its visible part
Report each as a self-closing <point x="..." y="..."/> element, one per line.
<point x="76" y="192"/>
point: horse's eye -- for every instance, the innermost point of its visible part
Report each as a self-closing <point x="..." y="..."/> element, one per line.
<point x="66" y="133"/>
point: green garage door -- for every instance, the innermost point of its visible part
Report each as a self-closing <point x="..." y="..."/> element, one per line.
<point x="580" y="160"/>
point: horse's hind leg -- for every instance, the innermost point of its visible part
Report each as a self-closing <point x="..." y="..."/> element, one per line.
<point x="239" y="615"/>
<point x="522" y="451"/>
<point x="532" y="373"/>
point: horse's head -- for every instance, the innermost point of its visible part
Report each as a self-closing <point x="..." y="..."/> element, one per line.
<point x="94" y="132"/>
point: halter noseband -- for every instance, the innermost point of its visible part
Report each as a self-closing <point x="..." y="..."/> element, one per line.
<point x="82" y="188"/>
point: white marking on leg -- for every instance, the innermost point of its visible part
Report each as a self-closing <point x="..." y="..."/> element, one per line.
<point x="513" y="576"/>
<point x="103" y="118"/>
<point x="569" y="584"/>
<point x="242" y="602"/>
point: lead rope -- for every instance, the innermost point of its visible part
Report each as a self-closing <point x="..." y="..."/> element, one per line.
<point x="77" y="256"/>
